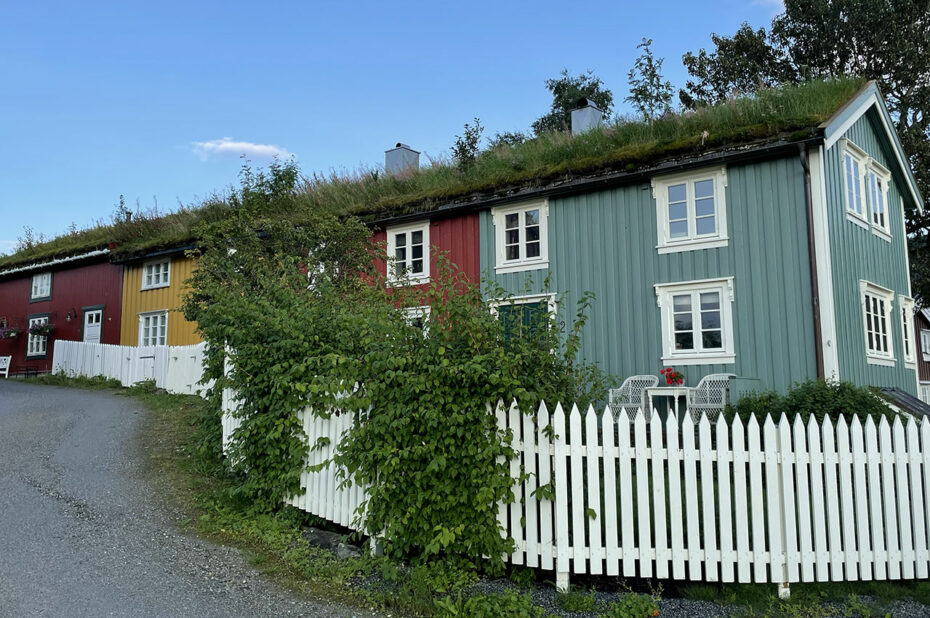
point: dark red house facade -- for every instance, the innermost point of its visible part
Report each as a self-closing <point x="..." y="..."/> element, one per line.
<point x="922" y="332"/>
<point x="76" y="298"/>
<point x="414" y="244"/>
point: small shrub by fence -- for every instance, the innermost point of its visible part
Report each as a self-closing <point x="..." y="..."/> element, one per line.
<point x="177" y="369"/>
<point x="777" y="502"/>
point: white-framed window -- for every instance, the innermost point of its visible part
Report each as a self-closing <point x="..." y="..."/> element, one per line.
<point x="521" y="236"/>
<point x="691" y="210"/>
<point x="906" y="307"/>
<point x="156" y="274"/>
<point x="877" y="308"/>
<point x="37" y="345"/>
<point x="697" y="321"/>
<point x="877" y="179"/>
<point x="854" y="163"/>
<point x="41" y="286"/>
<point x="925" y="392"/>
<point x="925" y="344"/>
<point x="524" y="312"/>
<point x="153" y="328"/>
<point x="408" y="252"/>
<point x="418" y="317"/>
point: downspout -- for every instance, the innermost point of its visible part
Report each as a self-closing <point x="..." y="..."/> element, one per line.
<point x="812" y="254"/>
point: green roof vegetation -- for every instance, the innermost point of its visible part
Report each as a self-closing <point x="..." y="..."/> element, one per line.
<point x="789" y="113"/>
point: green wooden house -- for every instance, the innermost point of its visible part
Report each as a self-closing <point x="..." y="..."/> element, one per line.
<point x="778" y="258"/>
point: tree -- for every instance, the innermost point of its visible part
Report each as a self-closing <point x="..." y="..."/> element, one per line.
<point x="649" y="93"/>
<point x="466" y="146"/>
<point x="566" y="92"/>
<point x="884" y="40"/>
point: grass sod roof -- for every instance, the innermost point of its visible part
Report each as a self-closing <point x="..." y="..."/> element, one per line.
<point x="791" y="113"/>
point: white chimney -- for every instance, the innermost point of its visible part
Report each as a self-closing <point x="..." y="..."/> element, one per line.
<point x="400" y="159"/>
<point x="587" y="116"/>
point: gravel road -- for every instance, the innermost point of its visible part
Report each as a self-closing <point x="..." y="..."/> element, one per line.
<point x="81" y="533"/>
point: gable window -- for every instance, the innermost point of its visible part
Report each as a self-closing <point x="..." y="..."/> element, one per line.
<point x="925" y="344"/>
<point x="408" y="253"/>
<point x="41" y="287"/>
<point x="877" y="307"/>
<point x="156" y="274"/>
<point x="877" y="179"/>
<point x="906" y="307"/>
<point x="37" y="345"/>
<point x="521" y="235"/>
<point x="697" y="321"/>
<point x="691" y="210"/>
<point x="153" y="328"/>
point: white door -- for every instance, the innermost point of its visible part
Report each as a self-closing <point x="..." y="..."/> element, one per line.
<point x="92" y="325"/>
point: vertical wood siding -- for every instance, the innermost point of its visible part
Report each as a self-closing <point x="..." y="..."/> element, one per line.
<point x="605" y="242"/>
<point x="860" y="254"/>
<point x="456" y="236"/>
<point x="136" y="301"/>
<point x="72" y="289"/>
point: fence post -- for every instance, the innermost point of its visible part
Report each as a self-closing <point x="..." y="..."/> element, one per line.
<point x="562" y="546"/>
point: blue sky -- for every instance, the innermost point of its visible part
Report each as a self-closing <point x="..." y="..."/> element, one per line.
<point x="157" y="101"/>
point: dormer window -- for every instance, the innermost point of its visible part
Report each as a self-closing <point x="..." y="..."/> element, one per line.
<point x="691" y="210"/>
<point x="408" y="253"/>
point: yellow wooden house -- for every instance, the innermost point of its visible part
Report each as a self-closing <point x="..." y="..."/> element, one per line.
<point x="153" y="288"/>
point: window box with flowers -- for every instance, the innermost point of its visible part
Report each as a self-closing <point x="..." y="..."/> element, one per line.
<point x="9" y="333"/>
<point x="41" y="330"/>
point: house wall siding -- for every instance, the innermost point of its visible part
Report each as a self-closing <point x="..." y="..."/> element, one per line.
<point x="859" y="254"/>
<point x="136" y="301"/>
<point x="457" y="236"/>
<point x="605" y="242"/>
<point x="72" y="289"/>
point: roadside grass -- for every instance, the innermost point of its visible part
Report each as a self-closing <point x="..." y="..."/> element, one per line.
<point x="94" y="383"/>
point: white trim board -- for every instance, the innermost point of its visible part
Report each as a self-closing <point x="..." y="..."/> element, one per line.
<point x="824" y="262"/>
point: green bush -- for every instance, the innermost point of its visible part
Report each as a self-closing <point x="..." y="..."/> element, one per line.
<point x="505" y="605"/>
<point x="814" y="398"/>
<point x="632" y="605"/>
<point x="577" y="601"/>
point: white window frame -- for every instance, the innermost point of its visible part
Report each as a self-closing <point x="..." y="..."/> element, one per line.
<point x="499" y="217"/>
<point x="693" y="241"/>
<point x="868" y="289"/>
<point x="423" y="312"/>
<point x="849" y="149"/>
<point x="36" y="345"/>
<point x="925" y="344"/>
<point x="665" y="292"/>
<point x="525" y="300"/>
<point x="877" y="170"/>
<point x="146" y="341"/>
<point x="408" y="277"/>
<point x="908" y="345"/>
<point x="41" y="288"/>
<point x="148" y="274"/>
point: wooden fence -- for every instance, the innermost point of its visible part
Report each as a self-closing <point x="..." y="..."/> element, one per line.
<point x="177" y="369"/>
<point x="781" y="502"/>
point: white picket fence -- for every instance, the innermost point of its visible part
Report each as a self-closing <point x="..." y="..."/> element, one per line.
<point x="780" y="503"/>
<point x="177" y="369"/>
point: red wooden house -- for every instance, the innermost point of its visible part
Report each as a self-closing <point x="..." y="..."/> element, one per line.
<point x="75" y="298"/>
<point x="922" y="336"/>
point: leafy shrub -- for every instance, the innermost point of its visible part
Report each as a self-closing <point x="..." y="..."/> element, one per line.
<point x="814" y="398"/>
<point x="632" y="605"/>
<point x="577" y="601"/>
<point x="505" y="605"/>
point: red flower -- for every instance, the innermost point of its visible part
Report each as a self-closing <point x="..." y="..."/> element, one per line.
<point x="668" y="380"/>
<point x="662" y="372"/>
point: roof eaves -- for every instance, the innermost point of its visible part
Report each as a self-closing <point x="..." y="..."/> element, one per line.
<point x="56" y="262"/>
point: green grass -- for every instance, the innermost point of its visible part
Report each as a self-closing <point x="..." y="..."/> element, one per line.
<point x="790" y="113"/>
<point x="94" y="383"/>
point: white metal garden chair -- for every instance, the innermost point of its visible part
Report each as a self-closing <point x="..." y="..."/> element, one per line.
<point x="710" y="396"/>
<point x="629" y="397"/>
<point x="5" y="365"/>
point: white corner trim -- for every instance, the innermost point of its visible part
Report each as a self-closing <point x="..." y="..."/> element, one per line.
<point x="824" y="264"/>
<point x="907" y="254"/>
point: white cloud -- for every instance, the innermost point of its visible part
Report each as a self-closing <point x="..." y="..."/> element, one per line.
<point x="228" y="147"/>
<point x="777" y="6"/>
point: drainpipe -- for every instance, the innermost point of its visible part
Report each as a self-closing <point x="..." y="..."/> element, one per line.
<point x="812" y="254"/>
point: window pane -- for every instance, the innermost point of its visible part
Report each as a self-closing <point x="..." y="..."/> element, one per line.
<point x="512" y="237"/>
<point x="710" y="319"/>
<point x="532" y="249"/>
<point x="401" y="254"/>
<point x="684" y="341"/>
<point x="400" y="240"/>
<point x="532" y="217"/>
<point x="678" y="229"/>
<point x="416" y="252"/>
<point x="704" y="207"/>
<point x="417" y="266"/>
<point x="532" y="233"/>
<point x="712" y="340"/>
<point x="703" y="188"/>
<point x="681" y="302"/>
<point x="677" y="193"/>
<point x="512" y="221"/>
<point x="683" y="321"/>
<point x="677" y="211"/>
<point x="513" y="252"/>
<point x="710" y="300"/>
<point x="706" y="225"/>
